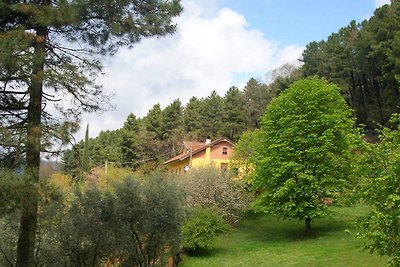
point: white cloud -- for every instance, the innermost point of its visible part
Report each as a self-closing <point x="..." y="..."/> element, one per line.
<point x="289" y="54"/>
<point x="208" y="52"/>
<point x="379" y="3"/>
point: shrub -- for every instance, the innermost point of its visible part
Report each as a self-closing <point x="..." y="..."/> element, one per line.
<point x="211" y="188"/>
<point x="14" y="189"/>
<point x="8" y="238"/>
<point x="132" y="221"/>
<point x="128" y="221"/>
<point x="380" y="228"/>
<point x="201" y="228"/>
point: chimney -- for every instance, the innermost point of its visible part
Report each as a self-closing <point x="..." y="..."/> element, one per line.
<point x="208" y="150"/>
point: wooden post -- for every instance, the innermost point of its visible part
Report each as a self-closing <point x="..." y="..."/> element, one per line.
<point x="190" y="159"/>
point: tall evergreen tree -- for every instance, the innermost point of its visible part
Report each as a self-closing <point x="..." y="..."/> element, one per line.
<point x="36" y="68"/>
<point x="107" y="147"/>
<point x="152" y="133"/>
<point x="172" y="119"/>
<point x="192" y="119"/>
<point x="235" y="116"/>
<point x="172" y="127"/>
<point x="130" y="146"/>
<point x="257" y="95"/>
<point x="153" y="121"/>
<point x="212" y="113"/>
<point x="364" y="60"/>
<point x="86" y="156"/>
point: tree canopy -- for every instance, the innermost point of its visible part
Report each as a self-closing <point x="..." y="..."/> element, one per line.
<point x="303" y="153"/>
<point x="156" y="136"/>
<point x="49" y="58"/>
<point x="363" y="59"/>
<point x="379" y="190"/>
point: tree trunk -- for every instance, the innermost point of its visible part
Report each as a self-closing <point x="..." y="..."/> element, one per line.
<point x="377" y="92"/>
<point x="28" y="223"/>
<point x="307" y="231"/>
<point x="364" y="98"/>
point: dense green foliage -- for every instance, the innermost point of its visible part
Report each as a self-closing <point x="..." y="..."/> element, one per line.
<point x="201" y="228"/>
<point x="156" y="137"/>
<point x="32" y="56"/>
<point x="380" y="190"/>
<point x="131" y="221"/>
<point x="364" y="60"/>
<point x="303" y="155"/>
<point x="42" y="66"/>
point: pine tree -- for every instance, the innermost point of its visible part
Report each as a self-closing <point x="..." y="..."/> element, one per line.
<point x="235" y="115"/>
<point x="192" y="119"/>
<point x="37" y="68"/>
<point x="85" y="157"/>
<point x="130" y="146"/>
<point x="212" y="114"/>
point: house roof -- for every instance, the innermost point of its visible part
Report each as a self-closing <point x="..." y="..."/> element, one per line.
<point x="193" y="144"/>
<point x="196" y="147"/>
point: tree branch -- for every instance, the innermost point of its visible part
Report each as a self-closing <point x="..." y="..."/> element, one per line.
<point x="6" y="258"/>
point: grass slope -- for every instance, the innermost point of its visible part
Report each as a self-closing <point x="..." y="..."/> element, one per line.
<point x="264" y="240"/>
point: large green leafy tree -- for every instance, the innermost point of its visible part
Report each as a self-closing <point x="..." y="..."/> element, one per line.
<point x="303" y="156"/>
<point x="48" y="51"/>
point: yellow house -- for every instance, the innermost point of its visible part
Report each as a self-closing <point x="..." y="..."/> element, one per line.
<point x="201" y="154"/>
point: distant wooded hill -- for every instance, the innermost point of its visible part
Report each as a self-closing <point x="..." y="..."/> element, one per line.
<point x="156" y="136"/>
<point x="362" y="58"/>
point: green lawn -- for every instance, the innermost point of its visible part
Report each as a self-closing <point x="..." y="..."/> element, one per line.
<point x="262" y="240"/>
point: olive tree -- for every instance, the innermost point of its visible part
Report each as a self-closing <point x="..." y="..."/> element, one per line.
<point x="49" y="56"/>
<point x="134" y="221"/>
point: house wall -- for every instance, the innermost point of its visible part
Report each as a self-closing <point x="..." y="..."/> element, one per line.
<point x="204" y="158"/>
<point x="216" y="151"/>
<point x="177" y="167"/>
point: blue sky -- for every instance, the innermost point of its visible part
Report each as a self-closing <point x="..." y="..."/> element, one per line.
<point x="218" y="44"/>
<point x="300" y="21"/>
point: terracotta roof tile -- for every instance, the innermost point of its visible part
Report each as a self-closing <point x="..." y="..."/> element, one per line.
<point x="193" y="144"/>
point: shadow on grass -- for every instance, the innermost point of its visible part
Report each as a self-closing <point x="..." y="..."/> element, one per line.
<point x="272" y="229"/>
<point x="204" y="253"/>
